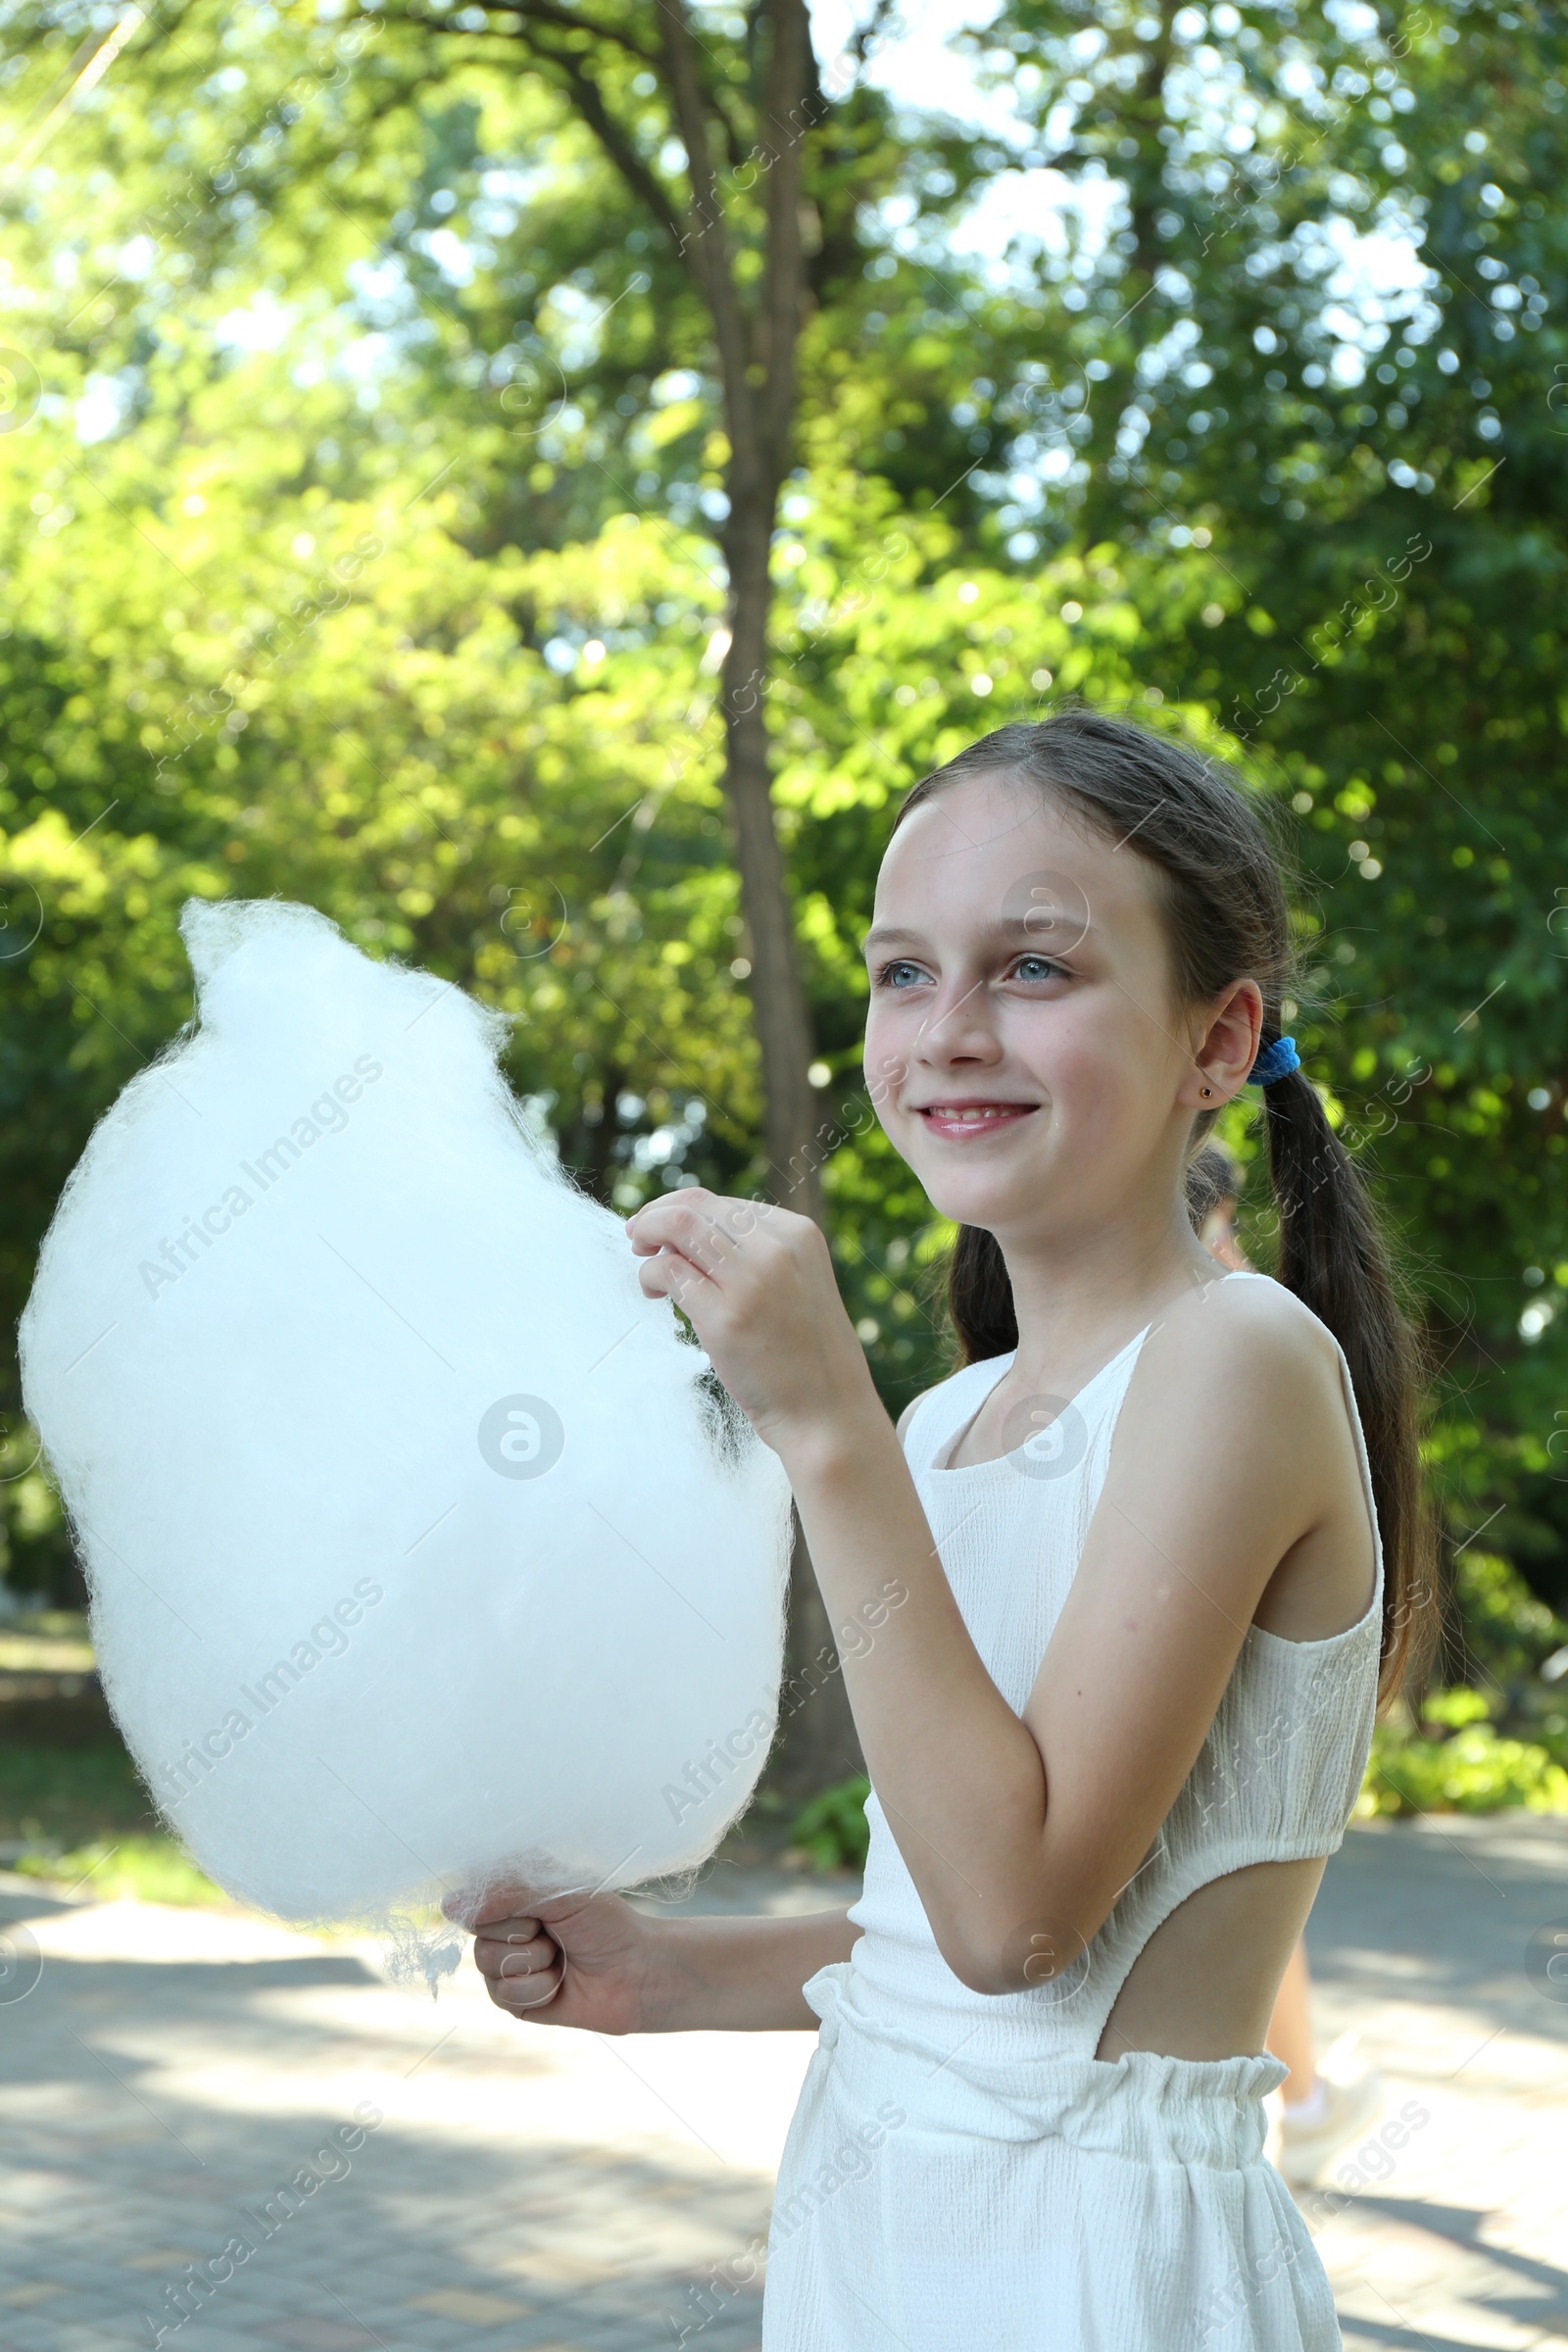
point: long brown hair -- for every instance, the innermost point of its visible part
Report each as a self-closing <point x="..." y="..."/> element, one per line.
<point x="1223" y="897"/>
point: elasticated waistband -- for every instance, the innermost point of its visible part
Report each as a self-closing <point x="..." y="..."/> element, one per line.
<point x="1143" y="2106"/>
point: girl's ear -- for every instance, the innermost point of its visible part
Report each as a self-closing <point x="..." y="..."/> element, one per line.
<point x="1227" y="1048"/>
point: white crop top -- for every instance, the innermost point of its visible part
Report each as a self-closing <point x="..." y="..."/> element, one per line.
<point x="1275" y="1782"/>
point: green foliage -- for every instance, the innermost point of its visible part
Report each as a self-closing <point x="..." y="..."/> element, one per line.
<point x="361" y="549"/>
<point x="142" y="1870"/>
<point x="831" y="1830"/>
<point x="1507" y="1633"/>
<point x="1498" y="1739"/>
<point x="1455" y="1762"/>
<point x="59" y="1799"/>
<point x="87" y="1823"/>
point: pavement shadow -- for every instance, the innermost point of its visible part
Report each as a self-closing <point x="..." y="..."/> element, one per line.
<point x="1461" y="2225"/>
<point x="413" y="2240"/>
<point x="1444" y="1916"/>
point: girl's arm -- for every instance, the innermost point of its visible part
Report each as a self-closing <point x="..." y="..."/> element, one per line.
<point x="599" y="1963"/>
<point x="1019" y="1831"/>
<point x="747" y="1973"/>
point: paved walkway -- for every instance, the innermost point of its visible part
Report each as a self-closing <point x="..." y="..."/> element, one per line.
<point x="387" y="2171"/>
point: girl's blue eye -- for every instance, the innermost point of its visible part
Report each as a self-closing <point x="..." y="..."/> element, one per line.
<point x="1038" y="968"/>
<point x="899" y="975"/>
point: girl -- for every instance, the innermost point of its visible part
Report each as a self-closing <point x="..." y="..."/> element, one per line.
<point x="1125" y="1571"/>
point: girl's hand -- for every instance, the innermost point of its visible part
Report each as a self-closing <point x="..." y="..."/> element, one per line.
<point x="572" y="1960"/>
<point x="757" y="1285"/>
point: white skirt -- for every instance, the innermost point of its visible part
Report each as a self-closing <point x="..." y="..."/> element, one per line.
<point x="1066" y="2204"/>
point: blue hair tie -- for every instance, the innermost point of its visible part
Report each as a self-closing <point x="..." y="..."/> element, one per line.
<point x="1274" y="1061"/>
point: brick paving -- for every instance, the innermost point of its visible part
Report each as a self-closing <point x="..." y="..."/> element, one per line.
<point x="1421" y="1942"/>
<point x="423" y="2175"/>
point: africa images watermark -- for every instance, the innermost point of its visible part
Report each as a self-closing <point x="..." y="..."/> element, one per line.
<point x="1344" y="624"/>
<point x="838" y="78"/>
<point x="1258" y="181"/>
<point x="851" y="2161"/>
<point x="707" y="1777"/>
<point x="833" y="1134"/>
<point x="813" y="1676"/>
<point x="219" y="706"/>
<point x="329" y="1115"/>
<point x="1373" y="2160"/>
<point x="328" y="1638"/>
<point x="189" y="2295"/>
<point x="721" y="1757"/>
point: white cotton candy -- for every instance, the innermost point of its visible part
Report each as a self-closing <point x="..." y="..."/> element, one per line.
<point x="423" y="1549"/>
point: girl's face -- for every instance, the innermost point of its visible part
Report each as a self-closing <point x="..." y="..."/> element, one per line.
<point x="1024" y="1047"/>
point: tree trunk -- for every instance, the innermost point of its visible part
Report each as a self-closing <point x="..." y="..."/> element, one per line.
<point x="817" y="1743"/>
<point x="778" y="998"/>
<point x="756" y="349"/>
<point x="755" y="346"/>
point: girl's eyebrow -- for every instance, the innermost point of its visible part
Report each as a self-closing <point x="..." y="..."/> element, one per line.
<point x="1027" y="927"/>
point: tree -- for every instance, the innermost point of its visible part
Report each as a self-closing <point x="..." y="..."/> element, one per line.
<point x="741" y="110"/>
<point x="1179" y="459"/>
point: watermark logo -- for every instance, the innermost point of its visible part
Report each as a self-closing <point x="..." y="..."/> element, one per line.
<point x="534" y="920"/>
<point x="855" y="1638"/>
<point x="522" y="1436"/>
<point x="327" y="1639"/>
<point x="1556" y="397"/>
<point x="20" y="917"/>
<point x="1049" y="1956"/>
<point x="189" y="2296"/>
<point x="1045" y="1437"/>
<point x="1546" y="1959"/>
<point x="20" y="1964"/>
<point x="1374" y="2159"/>
<point x="851" y="2161"/>
<point x="718" y="1759"/>
<point x="533" y="395"/>
<point x="20" y="390"/>
<point x="1052" y="908"/>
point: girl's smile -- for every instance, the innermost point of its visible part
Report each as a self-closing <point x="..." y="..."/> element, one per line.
<point x="965" y="1120"/>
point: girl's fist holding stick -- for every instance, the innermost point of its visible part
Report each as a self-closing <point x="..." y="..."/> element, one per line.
<point x="757" y="1284"/>
<point x="572" y="1960"/>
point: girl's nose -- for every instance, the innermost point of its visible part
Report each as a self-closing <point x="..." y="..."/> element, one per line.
<point x="959" y="1029"/>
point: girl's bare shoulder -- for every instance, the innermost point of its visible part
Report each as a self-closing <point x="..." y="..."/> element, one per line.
<point x="1245" y="1343"/>
<point x="1236" y="1424"/>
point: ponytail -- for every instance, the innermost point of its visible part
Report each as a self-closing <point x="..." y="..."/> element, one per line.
<point x="1331" y="1255"/>
<point x="1227" y="918"/>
